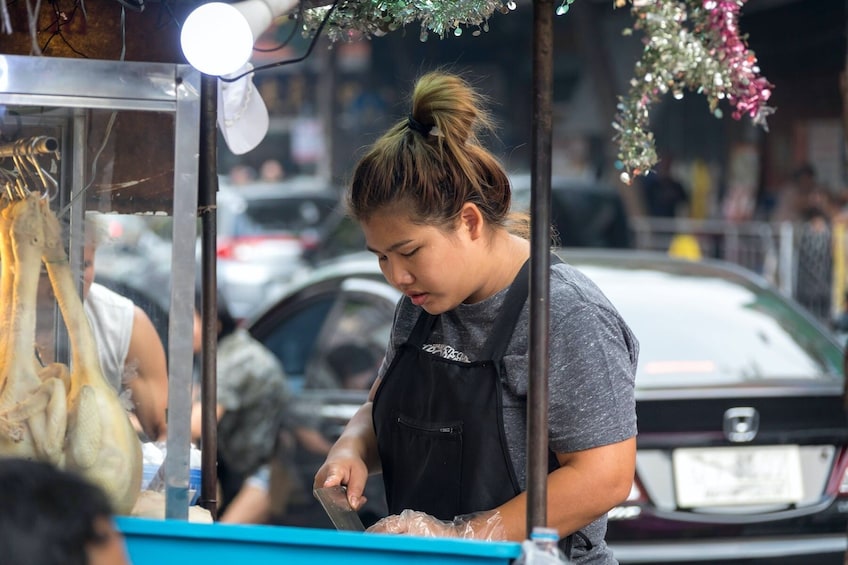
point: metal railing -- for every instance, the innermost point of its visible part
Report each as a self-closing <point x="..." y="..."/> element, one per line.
<point x="770" y="249"/>
<point x="762" y="247"/>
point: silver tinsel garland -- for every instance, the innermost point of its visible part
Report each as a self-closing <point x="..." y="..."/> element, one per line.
<point x="354" y="19"/>
<point x="688" y="45"/>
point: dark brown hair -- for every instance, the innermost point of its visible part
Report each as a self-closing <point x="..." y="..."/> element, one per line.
<point x="431" y="163"/>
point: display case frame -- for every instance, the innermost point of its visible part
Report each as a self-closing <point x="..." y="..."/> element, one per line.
<point x="171" y="90"/>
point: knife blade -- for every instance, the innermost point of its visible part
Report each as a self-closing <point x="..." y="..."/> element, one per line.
<point x="335" y="504"/>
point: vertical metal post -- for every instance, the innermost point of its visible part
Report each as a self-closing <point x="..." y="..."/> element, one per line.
<point x="183" y="276"/>
<point x="540" y="237"/>
<point x="207" y="202"/>
<point x="327" y="112"/>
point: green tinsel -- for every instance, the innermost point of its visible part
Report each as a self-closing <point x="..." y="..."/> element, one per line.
<point x="689" y="45"/>
<point x="354" y="19"/>
<point x="686" y="48"/>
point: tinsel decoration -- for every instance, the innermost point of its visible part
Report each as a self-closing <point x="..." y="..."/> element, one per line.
<point x="354" y="19"/>
<point x="688" y="45"/>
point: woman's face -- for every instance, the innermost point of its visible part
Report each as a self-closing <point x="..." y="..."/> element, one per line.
<point x="432" y="266"/>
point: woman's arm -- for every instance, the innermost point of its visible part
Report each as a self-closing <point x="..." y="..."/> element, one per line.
<point x="587" y="485"/>
<point x="147" y="367"/>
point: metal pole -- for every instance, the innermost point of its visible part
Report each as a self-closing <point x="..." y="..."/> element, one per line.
<point x="207" y="202"/>
<point x="540" y="237"/>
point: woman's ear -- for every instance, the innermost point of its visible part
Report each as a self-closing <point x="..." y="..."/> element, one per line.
<point x="471" y="220"/>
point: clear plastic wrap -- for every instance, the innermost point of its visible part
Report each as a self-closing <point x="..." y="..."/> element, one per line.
<point x="480" y="526"/>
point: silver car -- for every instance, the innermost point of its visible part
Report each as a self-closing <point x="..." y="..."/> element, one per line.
<point x="263" y="232"/>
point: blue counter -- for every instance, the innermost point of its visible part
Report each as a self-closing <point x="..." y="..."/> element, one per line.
<point x="173" y="542"/>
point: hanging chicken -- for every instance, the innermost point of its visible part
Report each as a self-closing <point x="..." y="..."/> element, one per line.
<point x="71" y="418"/>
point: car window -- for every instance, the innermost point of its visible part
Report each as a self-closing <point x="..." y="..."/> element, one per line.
<point x="351" y="344"/>
<point x="705" y="331"/>
<point x="284" y="215"/>
<point x="582" y="214"/>
<point x="334" y="339"/>
<point x="293" y="338"/>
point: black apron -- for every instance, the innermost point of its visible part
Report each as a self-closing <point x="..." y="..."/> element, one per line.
<point x="439" y="423"/>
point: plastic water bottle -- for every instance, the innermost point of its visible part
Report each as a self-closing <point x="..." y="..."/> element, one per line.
<point x="541" y="548"/>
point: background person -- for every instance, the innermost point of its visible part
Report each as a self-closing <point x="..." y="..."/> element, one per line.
<point x="252" y="403"/>
<point x="53" y="517"/>
<point x="446" y="418"/>
<point x="131" y="352"/>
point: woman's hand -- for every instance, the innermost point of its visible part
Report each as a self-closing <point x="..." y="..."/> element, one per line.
<point x="344" y="466"/>
<point x="351" y="458"/>
<point x="480" y="526"/>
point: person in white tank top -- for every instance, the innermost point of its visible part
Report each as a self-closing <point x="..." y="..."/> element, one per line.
<point x="131" y="353"/>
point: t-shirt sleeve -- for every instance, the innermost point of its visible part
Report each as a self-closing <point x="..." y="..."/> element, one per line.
<point x="592" y="374"/>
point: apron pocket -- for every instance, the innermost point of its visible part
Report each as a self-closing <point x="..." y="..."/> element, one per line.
<point x="427" y="477"/>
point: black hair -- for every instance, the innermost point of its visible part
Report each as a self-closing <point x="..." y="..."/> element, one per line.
<point x="47" y="515"/>
<point x="804" y="170"/>
<point x="350" y="358"/>
<point x="228" y="324"/>
<point x="225" y="318"/>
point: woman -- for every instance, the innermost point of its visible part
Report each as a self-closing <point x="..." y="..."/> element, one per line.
<point x="446" y="418"/>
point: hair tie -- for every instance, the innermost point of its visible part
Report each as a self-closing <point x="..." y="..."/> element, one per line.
<point x="415" y="125"/>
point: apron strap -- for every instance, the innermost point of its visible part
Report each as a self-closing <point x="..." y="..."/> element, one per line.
<point x="423" y="327"/>
<point x="504" y="324"/>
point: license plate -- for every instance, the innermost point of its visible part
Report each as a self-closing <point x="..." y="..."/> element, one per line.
<point x="724" y="476"/>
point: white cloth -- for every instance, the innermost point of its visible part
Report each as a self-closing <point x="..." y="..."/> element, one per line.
<point x="111" y="316"/>
<point x="242" y="115"/>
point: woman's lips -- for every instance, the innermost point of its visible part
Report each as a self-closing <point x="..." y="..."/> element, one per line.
<point x="418" y="299"/>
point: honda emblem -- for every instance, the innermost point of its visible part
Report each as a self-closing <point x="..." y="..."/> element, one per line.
<point x="741" y="424"/>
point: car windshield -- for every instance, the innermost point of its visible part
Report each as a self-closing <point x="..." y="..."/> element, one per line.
<point x="291" y="215"/>
<point x="701" y="331"/>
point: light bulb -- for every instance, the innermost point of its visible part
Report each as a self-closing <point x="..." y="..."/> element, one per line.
<point x="216" y="39"/>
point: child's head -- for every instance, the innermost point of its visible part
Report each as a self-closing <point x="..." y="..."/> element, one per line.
<point x="55" y="517"/>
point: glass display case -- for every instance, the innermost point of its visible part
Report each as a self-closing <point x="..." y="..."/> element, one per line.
<point x="108" y="152"/>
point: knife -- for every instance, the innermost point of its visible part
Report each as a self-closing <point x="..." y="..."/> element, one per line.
<point x="335" y="503"/>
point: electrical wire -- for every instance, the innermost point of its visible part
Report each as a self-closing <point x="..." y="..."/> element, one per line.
<point x="289" y="61"/>
<point x="61" y="20"/>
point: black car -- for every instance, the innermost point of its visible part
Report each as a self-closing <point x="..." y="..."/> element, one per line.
<point x="584" y="213"/>
<point x="743" y="438"/>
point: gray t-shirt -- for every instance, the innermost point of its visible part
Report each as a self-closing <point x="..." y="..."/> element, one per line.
<point x="253" y="390"/>
<point x="593" y="356"/>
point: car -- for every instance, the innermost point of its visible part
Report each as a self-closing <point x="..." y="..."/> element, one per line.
<point x="263" y="230"/>
<point x="584" y="213"/>
<point x="743" y="442"/>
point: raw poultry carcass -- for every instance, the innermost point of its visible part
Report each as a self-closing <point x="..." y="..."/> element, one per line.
<point x="101" y="443"/>
<point x="32" y="403"/>
<point x="75" y="420"/>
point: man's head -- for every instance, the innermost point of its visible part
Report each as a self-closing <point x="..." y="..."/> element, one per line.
<point x="94" y="235"/>
<point x="53" y="517"/>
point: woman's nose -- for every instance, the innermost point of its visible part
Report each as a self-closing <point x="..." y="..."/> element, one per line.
<point x="399" y="275"/>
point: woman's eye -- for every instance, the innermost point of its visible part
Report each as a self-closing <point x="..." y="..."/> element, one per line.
<point x="411" y="253"/>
